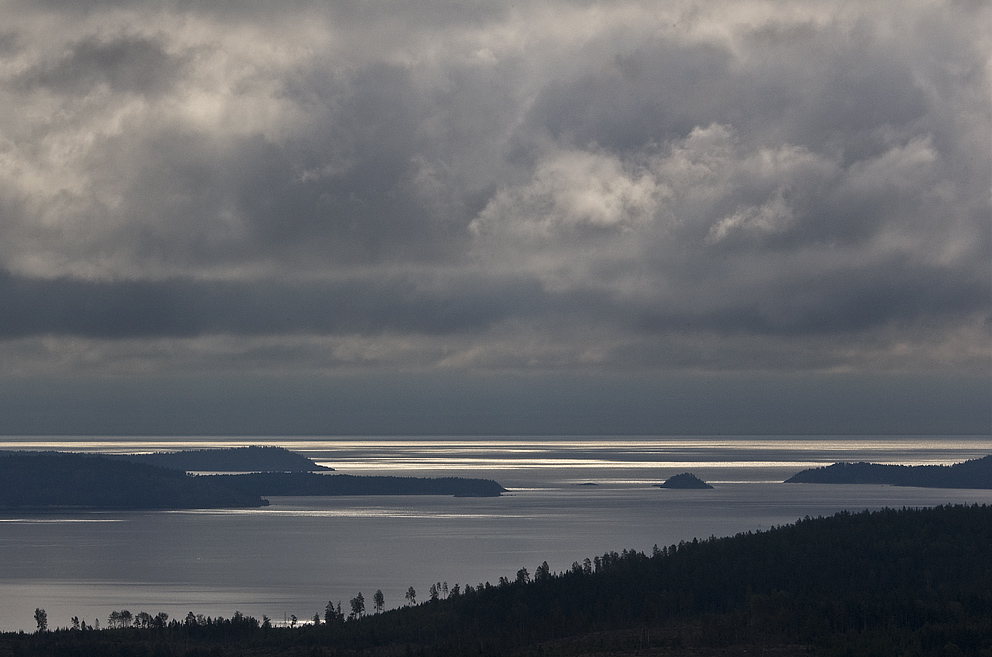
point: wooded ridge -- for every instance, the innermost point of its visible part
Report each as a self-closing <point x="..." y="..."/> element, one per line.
<point x="253" y="458"/>
<point x="976" y="473"/>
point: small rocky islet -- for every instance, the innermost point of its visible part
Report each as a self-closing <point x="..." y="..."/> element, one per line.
<point x="686" y="480"/>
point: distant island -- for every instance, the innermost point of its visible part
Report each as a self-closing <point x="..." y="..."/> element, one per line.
<point x="685" y="480"/>
<point x="310" y="484"/>
<point x="976" y="473"/>
<point x="254" y="458"/>
<point x="61" y="480"/>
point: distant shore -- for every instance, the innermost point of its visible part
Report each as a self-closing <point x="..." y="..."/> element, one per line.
<point x="47" y="481"/>
<point x="976" y="473"/>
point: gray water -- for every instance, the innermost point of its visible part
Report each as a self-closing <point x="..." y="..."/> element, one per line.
<point x="297" y="554"/>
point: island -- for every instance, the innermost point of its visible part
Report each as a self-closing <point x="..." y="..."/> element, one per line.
<point x="976" y="473"/>
<point x="60" y="480"/>
<point x="41" y="481"/>
<point x="686" y="480"/>
<point x="295" y="484"/>
<point x="254" y="458"/>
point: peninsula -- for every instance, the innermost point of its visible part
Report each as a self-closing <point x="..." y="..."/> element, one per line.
<point x="40" y="481"/>
<point x="976" y="473"/>
<point x="254" y="458"/>
<point x="311" y="484"/>
<point x="58" y="480"/>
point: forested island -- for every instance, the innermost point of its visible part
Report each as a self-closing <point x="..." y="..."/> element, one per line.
<point x="889" y="582"/>
<point x="254" y="458"/>
<point x="60" y="480"/>
<point x="50" y="480"/>
<point x="976" y="473"/>
<point x="305" y="484"/>
<point x="686" y="480"/>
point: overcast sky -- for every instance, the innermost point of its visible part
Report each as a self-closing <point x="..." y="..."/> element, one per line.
<point x="592" y="205"/>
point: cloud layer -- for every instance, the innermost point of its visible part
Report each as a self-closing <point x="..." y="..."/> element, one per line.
<point x="536" y="185"/>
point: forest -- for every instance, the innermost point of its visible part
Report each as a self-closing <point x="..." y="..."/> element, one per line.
<point x="888" y="582"/>
<point x="253" y="458"/>
<point x="976" y="473"/>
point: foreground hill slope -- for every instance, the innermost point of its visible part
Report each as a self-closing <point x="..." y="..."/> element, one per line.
<point x="976" y="473"/>
<point x="910" y="582"/>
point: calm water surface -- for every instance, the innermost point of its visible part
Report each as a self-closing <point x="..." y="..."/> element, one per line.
<point x="295" y="555"/>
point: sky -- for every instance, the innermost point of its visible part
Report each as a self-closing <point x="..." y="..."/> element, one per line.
<point x="495" y="217"/>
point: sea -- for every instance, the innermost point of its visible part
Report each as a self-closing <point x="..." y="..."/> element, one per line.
<point x="569" y="498"/>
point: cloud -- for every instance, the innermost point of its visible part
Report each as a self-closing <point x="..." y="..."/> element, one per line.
<point x="122" y="64"/>
<point x="533" y="185"/>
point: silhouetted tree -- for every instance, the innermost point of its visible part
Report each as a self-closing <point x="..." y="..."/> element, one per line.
<point x="543" y="572"/>
<point x="330" y="615"/>
<point x="523" y="576"/>
<point x="41" y="618"/>
<point x="411" y="596"/>
<point x="378" y="601"/>
<point x="358" y="606"/>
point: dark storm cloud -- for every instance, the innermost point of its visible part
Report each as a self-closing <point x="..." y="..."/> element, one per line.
<point x="9" y="43"/>
<point x="834" y="93"/>
<point x="342" y="191"/>
<point x="185" y="308"/>
<point x="125" y="64"/>
<point x="839" y="303"/>
<point x="652" y="94"/>
<point x="572" y="183"/>
<point x="844" y="303"/>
